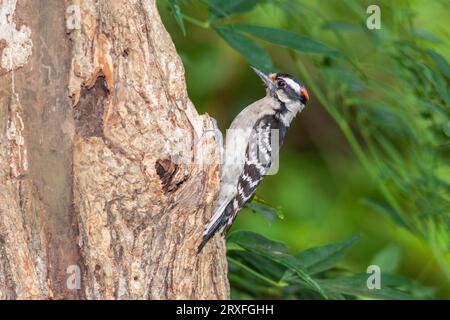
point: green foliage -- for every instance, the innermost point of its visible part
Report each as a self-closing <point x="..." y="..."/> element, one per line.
<point x="269" y="213"/>
<point x="387" y="92"/>
<point x="388" y="259"/>
<point x="264" y="268"/>
<point x="384" y="208"/>
<point x="322" y="258"/>
<point x="393" y="287"/>
<point x="224" y="8"/>
<point x="289" y="39"/>
<point x="261" y="206"/>
<point x="249" y="49"/>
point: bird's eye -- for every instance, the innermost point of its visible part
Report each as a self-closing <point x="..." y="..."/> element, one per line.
<point x="281" y="83"/>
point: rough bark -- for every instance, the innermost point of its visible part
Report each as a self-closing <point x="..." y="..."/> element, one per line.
<point x="104" y="162"/>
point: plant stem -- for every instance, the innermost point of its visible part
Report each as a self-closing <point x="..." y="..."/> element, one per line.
<point x="198" y="23"/>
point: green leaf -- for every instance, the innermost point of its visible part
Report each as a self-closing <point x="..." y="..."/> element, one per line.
<point x="224" y="8"/>
<point x="407" y="285"/>
<point x="256" y="243"/>
<point x="392" y="287"/>
<point x="440" y="62"/>
<point x="256" y="55"/>
<point x="427" y="35"/>
<point x="265" y="210"/>
<point x="266" y="268"/>
<point x="289" y="39"/>
<point x="247" y="285"/>
<point x="388" y="259"/>
<point x="322" y="258"/>
<point x="178" y="15"/>
<point x="389" y="211"/>
<point x="340" y="25"/>
<point x="274" y="251"/>
<point x="430" y="105"/>
<point x="357" y="286"/>
<point x="438" y="82"/>
<point x="446" y="129"/>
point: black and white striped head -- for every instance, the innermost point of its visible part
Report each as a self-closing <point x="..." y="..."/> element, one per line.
<point x="284" y="87"/>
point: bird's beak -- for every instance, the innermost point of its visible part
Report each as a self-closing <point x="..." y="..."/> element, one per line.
<point x="266" y="78"/>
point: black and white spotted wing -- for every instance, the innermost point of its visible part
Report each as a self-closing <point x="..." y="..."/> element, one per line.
<point x="263" y="148"/>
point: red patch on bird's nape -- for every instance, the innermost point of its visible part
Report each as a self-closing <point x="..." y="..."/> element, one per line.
<point x="273" y="76"/>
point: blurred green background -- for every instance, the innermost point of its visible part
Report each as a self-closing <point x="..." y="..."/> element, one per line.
<point x="370" y="154"/>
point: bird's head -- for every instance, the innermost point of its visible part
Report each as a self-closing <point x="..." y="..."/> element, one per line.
<point x="284" y="87"/>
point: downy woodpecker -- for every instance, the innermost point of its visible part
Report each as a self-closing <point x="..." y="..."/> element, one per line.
<point x="252" y="142"/>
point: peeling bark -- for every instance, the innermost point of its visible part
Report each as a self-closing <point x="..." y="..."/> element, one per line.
<point x="120" y="178"/>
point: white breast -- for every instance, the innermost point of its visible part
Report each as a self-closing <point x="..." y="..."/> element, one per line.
<point x="236" y="140"/>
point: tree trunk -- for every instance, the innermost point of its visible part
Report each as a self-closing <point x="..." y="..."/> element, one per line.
<point x="107" y="172"/>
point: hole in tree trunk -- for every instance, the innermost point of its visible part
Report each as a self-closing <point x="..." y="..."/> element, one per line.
<point x="167" y="172"/>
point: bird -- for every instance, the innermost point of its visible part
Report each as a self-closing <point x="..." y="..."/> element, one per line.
<point x="252" y="143"/>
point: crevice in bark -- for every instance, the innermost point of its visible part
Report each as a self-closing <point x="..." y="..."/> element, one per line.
<point x="168" y="172"/>
<point x="89" y="112"/>
<point x="3" y="45"/>
<point x="8" y="284"/>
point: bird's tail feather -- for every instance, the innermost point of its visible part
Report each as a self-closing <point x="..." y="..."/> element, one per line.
<point x="218" y="220"/>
